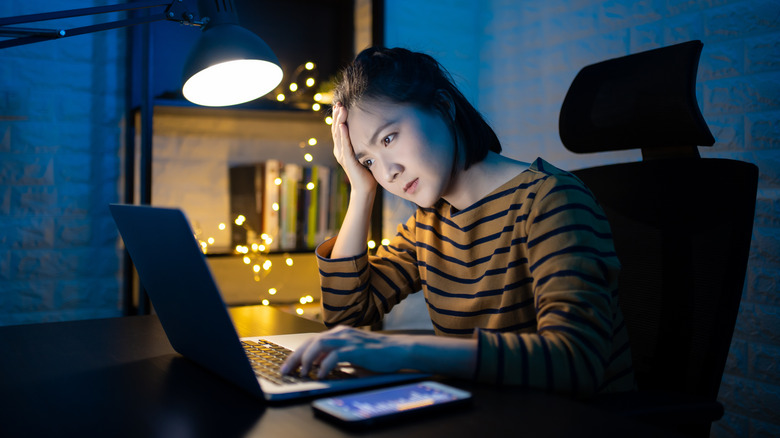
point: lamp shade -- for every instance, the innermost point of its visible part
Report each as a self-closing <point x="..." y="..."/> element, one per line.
<point x="229" y="65"/>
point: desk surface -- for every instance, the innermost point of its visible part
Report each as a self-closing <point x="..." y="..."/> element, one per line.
<point x="120" y="377"/>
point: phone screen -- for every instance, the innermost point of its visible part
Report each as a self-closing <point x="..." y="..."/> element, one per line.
<point x="390" y="402"/>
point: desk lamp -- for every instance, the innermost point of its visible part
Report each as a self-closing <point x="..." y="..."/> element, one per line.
<point x="229" y="65"/>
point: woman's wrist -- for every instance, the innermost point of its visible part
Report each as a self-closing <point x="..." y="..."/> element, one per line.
<point x="455" y="357"/>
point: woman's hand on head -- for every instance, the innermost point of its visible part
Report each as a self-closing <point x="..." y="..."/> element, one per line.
<point x="360" y="178"/>
<point x="369" y="350"/>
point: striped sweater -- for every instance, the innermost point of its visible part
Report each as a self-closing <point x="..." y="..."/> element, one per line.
<point x="530" y="271"/>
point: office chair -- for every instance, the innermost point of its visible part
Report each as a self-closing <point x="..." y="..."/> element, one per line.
<point x="681" y="226"/>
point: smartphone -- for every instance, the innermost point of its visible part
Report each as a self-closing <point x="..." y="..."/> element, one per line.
<point x="382" y="405"/>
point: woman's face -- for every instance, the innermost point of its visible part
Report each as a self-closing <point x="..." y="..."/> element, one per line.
<point x="408" y="150"/>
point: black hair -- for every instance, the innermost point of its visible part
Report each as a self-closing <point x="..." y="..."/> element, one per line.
<point x="402" y="76"/>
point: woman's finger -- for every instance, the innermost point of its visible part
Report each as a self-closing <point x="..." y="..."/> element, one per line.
<point x="329" y="362"/>
<point x="294" y="360"/>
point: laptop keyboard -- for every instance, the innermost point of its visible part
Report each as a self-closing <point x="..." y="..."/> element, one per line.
<point x="266" y="358"/>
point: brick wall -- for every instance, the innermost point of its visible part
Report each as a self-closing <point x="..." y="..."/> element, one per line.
<point x="61" y="106"/>
<point x="523" y="56"/>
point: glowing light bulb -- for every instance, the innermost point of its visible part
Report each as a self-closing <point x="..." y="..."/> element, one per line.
<point x="272" y="291"/>
<point x="289" y="261"/>
<point x="329" y="120"/>
<point x="303" y="300"/>
<point x="247" y="260"/>
<point x="266" y="302"/>
<point x="240" y="219"/>
<point x="222" y="226"/>
<point x="310" y="82"/>
<point x="309" y="65"/>
<point x="256" y="268"/>
<point x="278" y="181"/>
<point x="280" y="97"/>
<point x="312" y="141"/>
<point x="293" y="87"/>
<point x="275" y="206"/>
<point x="267" y="265"/>
<point x="308" y="157"/>
<point x="371" y="244"/>
<point x="261" y="248"/>
<point x="318" y="97"/>
<point x="299" y="311"/>
<point x="385" y="242"/>
<point x="315" y="107"/>
<point x="310" y="186"/>
<point x="309" y="298"/>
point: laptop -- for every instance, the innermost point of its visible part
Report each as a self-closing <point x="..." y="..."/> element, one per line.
<point x="176" y="276"/>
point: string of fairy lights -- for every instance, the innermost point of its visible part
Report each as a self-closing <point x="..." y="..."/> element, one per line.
<point x="302" y="93"/>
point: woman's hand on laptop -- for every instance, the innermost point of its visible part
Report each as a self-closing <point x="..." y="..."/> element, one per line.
<point x="383" y="353"/>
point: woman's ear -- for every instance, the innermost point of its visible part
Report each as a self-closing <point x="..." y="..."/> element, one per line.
<point x="445" y="103"/>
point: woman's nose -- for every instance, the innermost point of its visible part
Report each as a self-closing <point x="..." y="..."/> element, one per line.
<point x="391" y="171"/>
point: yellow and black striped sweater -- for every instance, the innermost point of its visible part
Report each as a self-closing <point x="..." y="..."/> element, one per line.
<point x="530" y="270"/>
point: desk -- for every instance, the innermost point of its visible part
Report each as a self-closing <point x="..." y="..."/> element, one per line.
<point x="120" y="377"/>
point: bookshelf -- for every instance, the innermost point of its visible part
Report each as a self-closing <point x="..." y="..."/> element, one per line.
<point x="286" y="206"/>
<point x="208" y="160"/>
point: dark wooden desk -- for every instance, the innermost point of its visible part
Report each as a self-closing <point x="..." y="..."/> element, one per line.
<point x="120" y="377"/>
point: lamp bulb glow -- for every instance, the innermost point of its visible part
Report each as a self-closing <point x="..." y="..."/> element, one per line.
<point x="232" y="82"/>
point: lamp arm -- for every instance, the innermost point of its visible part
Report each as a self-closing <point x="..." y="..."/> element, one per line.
<point x="175" y="11"/>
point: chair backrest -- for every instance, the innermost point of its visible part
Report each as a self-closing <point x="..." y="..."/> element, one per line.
<point x="681" y="224"/>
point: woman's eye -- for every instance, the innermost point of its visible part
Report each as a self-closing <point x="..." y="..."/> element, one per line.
<point x="388" y="139"/>
<point x="367" y="163"/>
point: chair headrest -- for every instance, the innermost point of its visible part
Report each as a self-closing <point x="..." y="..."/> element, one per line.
<point x="646" y="100"/>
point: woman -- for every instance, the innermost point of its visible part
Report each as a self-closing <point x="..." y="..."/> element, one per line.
<point x="515" y="260"/>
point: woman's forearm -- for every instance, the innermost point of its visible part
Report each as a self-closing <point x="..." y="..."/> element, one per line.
<point x="353" y="234"/>
<point x="455" y="357"/>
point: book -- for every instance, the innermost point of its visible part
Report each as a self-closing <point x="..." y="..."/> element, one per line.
<point x="288" y="202"/>
<point x="244" y="202"/>
<point x="271" y="205"/>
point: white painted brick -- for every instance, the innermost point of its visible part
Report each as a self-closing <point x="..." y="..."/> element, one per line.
<point x="645" y="37"/>
<point x="594" y="49"/>
<point x="27" y="232"/>
<point x="763" y="283"/>
<point x="759" y="92"/>
<point x="768" y="162"/>
<point x="741" y="19"/>
<point x="750" y="398"/>
<point x="758" y="323"/>
<point x="73" y="168"/>
<point x="722" y="60"/>
<point x="571" y="25"/>
<point x="768" y="208"/>
<point x="73" y="231"/>
<point x="762" y="53"/>
<point x="681" y="28"/>
<point x="728" y="130"/>
<point x="764" y="429"/>
<point x="27" y="200"/>
<point x="675" y="7"/>
<point x="737" y="361"/>
<point x="5" y="200"/>
<point x="619" y="14"/>
<point x="763" y="363"/>
<point x="731" y="425"/>
<point x="26" y="169"/>
<point x="763" y="130"/>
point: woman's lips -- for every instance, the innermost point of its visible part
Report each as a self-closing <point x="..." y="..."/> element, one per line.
<point x="411" y="187"/>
